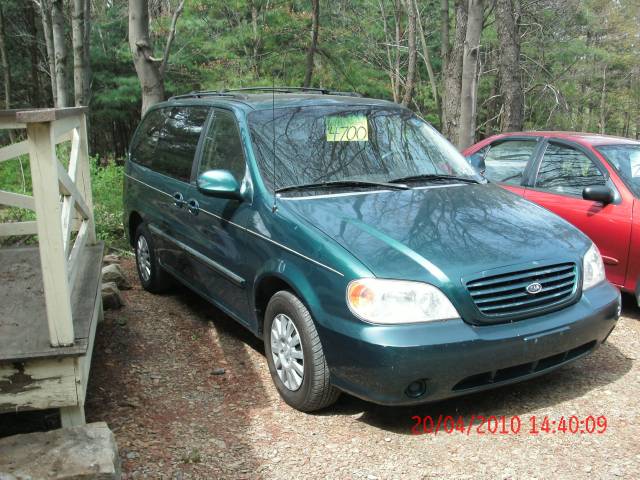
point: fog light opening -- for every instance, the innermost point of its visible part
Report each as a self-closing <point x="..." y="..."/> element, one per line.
<point x="416" y="389"/>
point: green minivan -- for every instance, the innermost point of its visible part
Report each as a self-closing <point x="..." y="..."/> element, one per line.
<point x="359" y="244"/>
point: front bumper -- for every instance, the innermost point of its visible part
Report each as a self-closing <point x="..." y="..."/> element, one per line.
<point x="378" y="362"/>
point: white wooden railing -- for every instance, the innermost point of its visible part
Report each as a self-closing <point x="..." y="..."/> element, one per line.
<point x="62" y="202"/>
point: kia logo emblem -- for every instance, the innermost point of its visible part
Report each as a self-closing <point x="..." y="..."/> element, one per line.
<point x="534" y="288"/>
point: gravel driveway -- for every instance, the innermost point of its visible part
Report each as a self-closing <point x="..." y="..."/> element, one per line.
<point x="188" y="394"/>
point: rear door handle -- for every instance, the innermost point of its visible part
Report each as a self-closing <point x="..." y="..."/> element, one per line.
<point x="178" y="200"/>
<point x="193" y="206"/>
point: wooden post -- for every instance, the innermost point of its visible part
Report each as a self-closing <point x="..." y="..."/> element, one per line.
<point x="72" y="416"/>
<point x="84" y="176"/>
<point x="44" y="172"/>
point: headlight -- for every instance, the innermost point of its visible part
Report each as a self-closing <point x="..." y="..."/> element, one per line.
<point x="592" y="268"/>
<point x="396" y="301"/>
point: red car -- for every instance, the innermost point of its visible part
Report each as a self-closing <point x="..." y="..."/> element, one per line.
<point x="592" y="181"/>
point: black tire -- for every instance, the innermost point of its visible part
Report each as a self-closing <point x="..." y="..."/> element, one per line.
<point x="158" y="280"/>
<point x="315" y="392"/>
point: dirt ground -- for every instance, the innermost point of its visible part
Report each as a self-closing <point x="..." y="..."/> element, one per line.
<point x="157" y="381"/>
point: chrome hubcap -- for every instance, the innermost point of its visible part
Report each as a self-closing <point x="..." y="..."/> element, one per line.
<point x="144" y="259"/>
<point x="286" y="350"/>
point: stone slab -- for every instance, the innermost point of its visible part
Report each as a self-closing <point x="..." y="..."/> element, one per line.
<point x="87" y="452"/>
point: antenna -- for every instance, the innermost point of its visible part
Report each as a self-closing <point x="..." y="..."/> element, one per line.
<point x="273" y="127"/>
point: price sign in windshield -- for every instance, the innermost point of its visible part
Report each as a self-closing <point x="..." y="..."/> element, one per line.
<point x="347" y="128"/>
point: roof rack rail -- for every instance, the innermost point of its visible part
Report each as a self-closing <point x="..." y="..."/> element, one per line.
<point x="321" y="91"/>
<point x="204" y="93"/>
<point x="237" y="92"/>
<point x="277" y="89"/>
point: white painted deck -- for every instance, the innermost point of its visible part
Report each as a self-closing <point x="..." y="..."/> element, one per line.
<point x="50" y="299"/>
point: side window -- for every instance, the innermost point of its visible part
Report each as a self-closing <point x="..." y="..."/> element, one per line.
<point x="144" y="144"/>
<point x="506" y="161"/>
<point x="178" y="141"/>
<point x="222" y="147"/>
<point x="566" y="170"/>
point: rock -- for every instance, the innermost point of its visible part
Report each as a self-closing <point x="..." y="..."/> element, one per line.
<point x="85" y="452"/>
<point x="109" y="259"/>
<point x="111" y="297"/>
<point x="218" y="371"/>
<point x="113" y="273"/>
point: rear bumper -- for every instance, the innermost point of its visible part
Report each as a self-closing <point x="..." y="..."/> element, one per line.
<point x="377" y="363"/>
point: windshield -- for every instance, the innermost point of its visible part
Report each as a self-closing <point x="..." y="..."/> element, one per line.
<point x="626" y="160"/>
<point x="331" y="144"/>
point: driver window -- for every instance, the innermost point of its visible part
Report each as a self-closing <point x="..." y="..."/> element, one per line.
<point x="222" y="146"/>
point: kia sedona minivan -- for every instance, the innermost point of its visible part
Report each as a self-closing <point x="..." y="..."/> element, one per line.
<point x="360" y="245"/>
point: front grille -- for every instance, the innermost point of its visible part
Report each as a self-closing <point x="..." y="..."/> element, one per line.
<point x="512" y="373"/>
<point x="506" y="295"/>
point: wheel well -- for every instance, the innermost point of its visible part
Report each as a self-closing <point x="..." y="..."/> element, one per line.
<point x="134" y="221"/>
<point x="266" y="289"/>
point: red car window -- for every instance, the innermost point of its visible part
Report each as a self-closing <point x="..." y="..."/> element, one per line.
<point x="567" y="171"/>
<point x="506" y="161"/>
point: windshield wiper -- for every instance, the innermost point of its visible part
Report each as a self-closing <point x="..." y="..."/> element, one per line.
<point x="433" y="176"/>
<point x="343" y="183"/>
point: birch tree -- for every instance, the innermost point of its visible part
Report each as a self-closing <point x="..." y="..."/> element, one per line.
<point x="44" y="7"/>
<point x="60" y="53"/>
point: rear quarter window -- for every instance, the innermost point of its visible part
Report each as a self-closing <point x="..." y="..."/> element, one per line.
<point x="168" y="139"/>
<point x="144" y="143"/>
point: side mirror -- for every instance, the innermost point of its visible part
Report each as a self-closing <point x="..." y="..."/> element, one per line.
<point x="599" y="193"/>
<point x="219" y="183"/>
<point x="477" y="161"/>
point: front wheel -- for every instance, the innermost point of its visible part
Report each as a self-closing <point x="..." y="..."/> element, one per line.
<point x="295" y="356"/>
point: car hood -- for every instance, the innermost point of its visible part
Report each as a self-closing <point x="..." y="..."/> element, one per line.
<point x="440" y="234"/>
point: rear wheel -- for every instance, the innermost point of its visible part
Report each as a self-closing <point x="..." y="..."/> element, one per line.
<point x="295" y="356"/>
<point x="152" y="276"/>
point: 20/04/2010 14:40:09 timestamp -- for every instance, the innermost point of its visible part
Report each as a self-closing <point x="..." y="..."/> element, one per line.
<point x="508" y="425"/>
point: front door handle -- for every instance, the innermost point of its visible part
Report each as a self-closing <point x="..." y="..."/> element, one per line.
<point x="193" y="206"/>
<point x="178" y="200"/>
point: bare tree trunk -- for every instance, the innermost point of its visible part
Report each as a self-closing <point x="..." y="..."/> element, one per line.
<point x="315" y="25"/>
<point x="602" y="123"/>
<point x="453" y="76"/>
<point x="507" y="13"/>
<point x="30" y="20"/>
<point x="78" y="28"/>
<point x="427" y="61"/>
<point x="444" y="32"/>
<point x="390" y="70"/>
<point x="150" y="70"/>
<point x="397" y="12"/>
<point x="469" y="86"/>
<point x="6" y="72"/>
<point x="413" y="53"/>
<point x="60" y="51"/>
<point x="45" y="15"/>
<point x="87" y="51"/>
